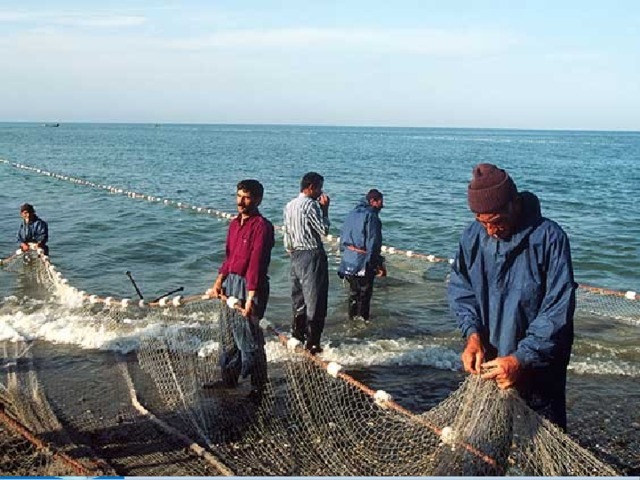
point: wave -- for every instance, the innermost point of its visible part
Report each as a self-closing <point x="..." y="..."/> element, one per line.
<point x="62" y="326"/>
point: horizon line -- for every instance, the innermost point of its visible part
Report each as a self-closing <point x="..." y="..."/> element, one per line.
<point x="315" y="125"/>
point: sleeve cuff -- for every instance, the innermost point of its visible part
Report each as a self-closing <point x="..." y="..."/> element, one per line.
<point x="468" y="331"/>
<point x="522" y="358"/>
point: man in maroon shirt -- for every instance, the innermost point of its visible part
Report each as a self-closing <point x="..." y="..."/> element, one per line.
<point x="243" y="275"/>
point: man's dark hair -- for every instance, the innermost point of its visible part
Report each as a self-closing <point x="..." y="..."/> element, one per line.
<point x="27" y="207"/>
<point x="311" y="179"/>
<point x="374" y="194"/>
<point x="254" y="187"/>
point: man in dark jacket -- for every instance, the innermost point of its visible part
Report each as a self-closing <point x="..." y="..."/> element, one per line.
<point x="513" y="293"/>
<point x="360" y="243"/>
<point x="33" y="230"/>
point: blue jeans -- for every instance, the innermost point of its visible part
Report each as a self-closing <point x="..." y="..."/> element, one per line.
<point x="242" y="342"/>
<point x="309" y="292"/>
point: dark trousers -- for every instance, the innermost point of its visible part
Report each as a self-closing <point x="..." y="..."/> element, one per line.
<point x="309" y="292"/>
<point x="360" y="291"/>
<point x="544" y="390"/>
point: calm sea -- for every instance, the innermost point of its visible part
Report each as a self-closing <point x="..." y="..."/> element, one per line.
<point x="587" y="181"/>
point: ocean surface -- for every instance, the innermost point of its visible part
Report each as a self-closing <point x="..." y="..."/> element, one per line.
<point x="588" y="182"/>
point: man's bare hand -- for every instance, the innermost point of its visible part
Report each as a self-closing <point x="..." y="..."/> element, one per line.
<point x="473" y="354"/>
<point x="381" y="271"/>
<point x="216" y="291"/>
<point x="247" y="311"/>
<point x="324" y="202"/>
<point x="504" y="370"/>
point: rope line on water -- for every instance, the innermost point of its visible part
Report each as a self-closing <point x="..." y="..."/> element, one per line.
<point x="221" y="215"/>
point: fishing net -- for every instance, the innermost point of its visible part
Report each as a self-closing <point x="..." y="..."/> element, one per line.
<point x="162" y="409"/>
<point x="609" y="305"/>
<point x="33" y="441"/>
<point x="21" y="457"/>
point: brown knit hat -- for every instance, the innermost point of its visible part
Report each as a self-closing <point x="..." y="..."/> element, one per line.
<point x="490" y="189"/>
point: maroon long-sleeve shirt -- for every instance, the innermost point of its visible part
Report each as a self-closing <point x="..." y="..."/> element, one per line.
<point x="248" y="250"/>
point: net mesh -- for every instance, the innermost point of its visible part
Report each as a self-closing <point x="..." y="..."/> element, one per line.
<point x="20" y="457"/>
<point x="160" y="409"/>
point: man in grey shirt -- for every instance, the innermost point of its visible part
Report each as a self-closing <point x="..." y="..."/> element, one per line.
<point x="306" y="220"/>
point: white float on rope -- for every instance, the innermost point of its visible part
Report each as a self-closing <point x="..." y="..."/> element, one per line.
<point x="265" y="324"/>
<point x="381" y="397"/>
<point x="232" y="302"/>
<point x="293" y="343"/>
<point x="447" y="435"/>
<point x="333" y="369"/>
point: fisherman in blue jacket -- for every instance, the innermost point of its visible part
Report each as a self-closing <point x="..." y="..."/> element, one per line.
<point x="513" y="293"/>
<point x="360" y="244"/>
<point x="33" y="230"/>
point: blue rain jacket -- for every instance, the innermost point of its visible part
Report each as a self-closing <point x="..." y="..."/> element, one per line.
<point x="362" y="229"/>
<point x="35" y="232"/>
<point x="517" y="294"/>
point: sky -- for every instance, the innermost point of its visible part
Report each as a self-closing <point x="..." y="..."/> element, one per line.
<point x="424" y="63"/>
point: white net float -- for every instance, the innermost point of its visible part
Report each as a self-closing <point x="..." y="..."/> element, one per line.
<point x="293" y="343"/>
<point x="232" y="302"/>
<point x="333" y="369"/>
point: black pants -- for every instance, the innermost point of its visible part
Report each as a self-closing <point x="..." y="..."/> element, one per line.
<point x="360" y="291"/>
<point x="544" y="390"/>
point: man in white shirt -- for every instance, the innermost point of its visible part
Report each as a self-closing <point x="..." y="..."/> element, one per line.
<point x="306" y="220"/>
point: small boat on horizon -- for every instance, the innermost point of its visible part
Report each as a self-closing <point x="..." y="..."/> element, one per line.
<point x="51" y="124"/>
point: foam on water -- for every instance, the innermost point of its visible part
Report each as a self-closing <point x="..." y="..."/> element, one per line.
<point x="29" y="319"/>
<point x="397" y="351"/>
<point x="25" y="319"/>
<point x="604" y="367"/>
<point x="64" y="327"/>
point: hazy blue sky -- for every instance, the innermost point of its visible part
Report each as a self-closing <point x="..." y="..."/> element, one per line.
<point x="522" y="64"/>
